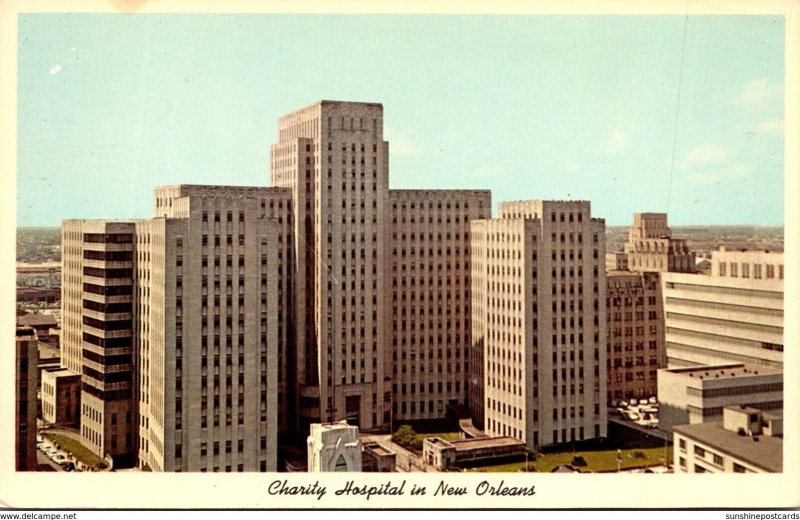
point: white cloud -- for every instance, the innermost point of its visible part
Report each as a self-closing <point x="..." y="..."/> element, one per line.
<point x="715" y="176"/>
<point x="617" y="142"/>
<point x="703" y="155"/>
<point x="56" y="69"/>
<point x="401" y="142"/>
<point x="757" y="93"/>
<point x="489" y="171"/>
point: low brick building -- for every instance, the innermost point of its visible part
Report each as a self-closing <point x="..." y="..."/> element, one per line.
<point x="61" y="396"/>
<point x="443" y="455"/>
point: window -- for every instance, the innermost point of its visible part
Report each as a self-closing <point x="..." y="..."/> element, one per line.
<point x="700" y="452"/>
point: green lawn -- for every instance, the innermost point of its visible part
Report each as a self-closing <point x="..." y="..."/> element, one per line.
<point x="405" y="435"/>
<point x="597" y="461"/>
<point x="448" y="436"/>
<point x="78" y="450"/>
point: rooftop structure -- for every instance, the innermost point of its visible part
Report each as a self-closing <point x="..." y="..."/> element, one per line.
<point x="443" y="455"/>
<point x="650" y="246"/>
<point x="699" y="394"/>
<point x="747" y="440"/>
<point x="334" y="447"/>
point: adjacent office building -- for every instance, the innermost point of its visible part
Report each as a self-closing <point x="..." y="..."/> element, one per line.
<point x="214" y="356"/>
<point x="173" y="323"/>
<point x="26" y="358"/>
<point x="735" y="315"/>
<point x="699" y="394"/>
<point x="539" y="322"/>
<point x="97" y="296"/>
<point x="650" y="246"/>
<point x="635" y="334"/>
<point x="61" y="396"/>
<point x="747" y="440"/>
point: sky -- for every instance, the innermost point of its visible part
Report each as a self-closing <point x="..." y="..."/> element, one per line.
<point x="633" y="113"/>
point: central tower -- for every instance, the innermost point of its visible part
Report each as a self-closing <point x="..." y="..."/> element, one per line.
<point x="333" y="157"/>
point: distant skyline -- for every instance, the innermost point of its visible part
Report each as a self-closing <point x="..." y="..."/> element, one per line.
<point x="634" y="113"/>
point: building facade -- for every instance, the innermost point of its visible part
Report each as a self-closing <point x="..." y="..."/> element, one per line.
<point x="334" y="447"/>
<point x="353" y="286"/>
<point x="173" y="323"/>
<point x="97" y="298"/>
<point x="539" y="323"/>
<point x="430" y="298"/>
<point x="61" y="396"/>
<point x="213" y="315"/>
<point x="333" y="158"/>
<point x="635" y="334"/>
<point x="26" y="358"/>
<point x="724" y="318"/>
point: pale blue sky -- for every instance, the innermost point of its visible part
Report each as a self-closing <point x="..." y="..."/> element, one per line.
<point x="547" y="107"/>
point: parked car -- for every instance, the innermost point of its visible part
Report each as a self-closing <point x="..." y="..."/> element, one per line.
<point x="653" y="400"/>
<point x="68" y="466"/>
<point x="633" y="416"/>
<point x="60" y="458"/>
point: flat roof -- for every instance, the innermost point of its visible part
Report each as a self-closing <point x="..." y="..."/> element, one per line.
<point x="377" y="448"/>
<point x="37" y="319"/>
<point x="726" y="371"/>
<point x="60" y="372"/>
<point x="485" y="442"/>
<point x="765" y="453"/>
<point x="47" y="351"/>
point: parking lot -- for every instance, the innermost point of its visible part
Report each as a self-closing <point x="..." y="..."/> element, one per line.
<point x="55" y="457"/>
<point x="643" y="412"/>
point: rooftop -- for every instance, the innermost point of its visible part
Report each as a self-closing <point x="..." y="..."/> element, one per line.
<point x="728" y="371"/>
<point x="60" y="372"/>
<point x="47" y="351"/>
<point x="36" y="320"/>
<point x="377" y="448"/>
<point x="484" y="442"/>
<point x="762" y="451"/>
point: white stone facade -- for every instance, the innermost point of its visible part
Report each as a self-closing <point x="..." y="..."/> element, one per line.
<point x="539" y="322"/>
<point x="334" y="447"/>
<point x="721" y="319"/>
<point x="650" y="246"/>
